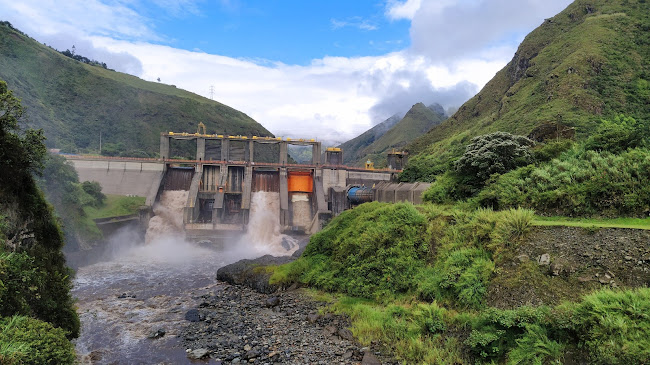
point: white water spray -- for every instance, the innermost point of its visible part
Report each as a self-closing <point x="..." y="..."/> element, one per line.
<point x="263" y="236"/>
<point x="168" y="219"/>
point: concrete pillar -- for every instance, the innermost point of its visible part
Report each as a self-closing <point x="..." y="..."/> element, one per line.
<point x="225" y="149"/>
<point x="200" y="149"/>
<point x="284" y="153"/>
<point x="315" y="154"/>
<point x="164" y="146"/>
<point x="251" y="151"/>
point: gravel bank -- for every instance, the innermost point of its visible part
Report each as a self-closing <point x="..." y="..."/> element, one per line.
<point x="235" y="324"/>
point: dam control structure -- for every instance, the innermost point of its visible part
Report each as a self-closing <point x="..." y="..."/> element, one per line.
<point x="226" y="171"/>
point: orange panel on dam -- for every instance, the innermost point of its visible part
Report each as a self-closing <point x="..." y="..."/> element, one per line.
<point x="300" y="181"/>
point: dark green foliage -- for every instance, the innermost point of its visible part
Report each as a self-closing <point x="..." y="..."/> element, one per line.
<point x="34" y="279"/>
<point x="372" y="251"/>
<point x="618" y="135"/>
<point x="29" y="286"/>
<point x="28" y="341"/>
<point x="93" y="189"/>
<point x="22" y="152"/>
<point x="80" y="58"/>
<point x="535" y="347"/>
<point x="579" y="184"/>
<point x="495" y="331"/>
<point x="550" y="150"/>
<point x="494" y="153"/>
<point x="466" y="253"/>
<point x="60" y="183"/>
<point x="444" y="189"/>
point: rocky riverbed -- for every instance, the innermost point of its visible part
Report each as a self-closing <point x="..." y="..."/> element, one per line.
<point x="235" y="324"/>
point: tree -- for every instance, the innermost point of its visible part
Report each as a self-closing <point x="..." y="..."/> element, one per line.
<point x="93" y="189"/>
<point x="494" y="153"/>
<point x="21" y="152"/>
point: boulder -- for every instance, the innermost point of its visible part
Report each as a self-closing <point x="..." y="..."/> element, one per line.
<point x="249" y="273"/>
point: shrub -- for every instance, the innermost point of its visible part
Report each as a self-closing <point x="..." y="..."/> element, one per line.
<point x="93" y="189"/>
<point x="28" y="288"/>
<point x="617" y="136"/>
<point x="534" y="347"/>
<point x="495" y="331"/>
<point x="615" y="326"/>
<point x="372" y="251"/>
<point x="579" y="184"/>
<point x="494" y="153"/>
<point x="551" y="150"/>
<point x="28" y="341"/>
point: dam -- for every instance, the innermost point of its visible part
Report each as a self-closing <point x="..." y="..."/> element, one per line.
<point x="227" y="171"/>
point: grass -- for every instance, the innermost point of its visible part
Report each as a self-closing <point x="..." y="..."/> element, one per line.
<point x="631" y="223"/>
<point x="115" y="205"/>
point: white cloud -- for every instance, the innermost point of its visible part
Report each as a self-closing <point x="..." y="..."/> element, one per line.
<point x="354" y="22"/>
<point x="448" y="31"/>
<point x="81" y="17"/>
<point x="457" y="46"/>
<point x="333" y="98"/>
<point x="402" y="9"/>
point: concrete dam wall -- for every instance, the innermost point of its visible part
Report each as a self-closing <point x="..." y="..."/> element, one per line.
<point x="122" y="177"/>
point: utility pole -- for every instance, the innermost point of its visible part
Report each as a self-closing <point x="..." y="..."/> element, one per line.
<point x="212" y="92"/>
<point x="100" y="142"/>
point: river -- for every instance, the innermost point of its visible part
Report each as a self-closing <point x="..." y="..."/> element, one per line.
<point x="141" y="286"/>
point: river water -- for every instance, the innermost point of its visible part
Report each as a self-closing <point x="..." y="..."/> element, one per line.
<point x="138" y="288"/>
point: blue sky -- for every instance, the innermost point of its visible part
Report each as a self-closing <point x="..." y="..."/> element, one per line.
<point x="293" y="32"/>
<point x="303" y="69"/>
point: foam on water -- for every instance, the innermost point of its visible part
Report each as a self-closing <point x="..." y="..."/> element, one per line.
<point x="141" y="287"/>
<point x="263" y="235"/>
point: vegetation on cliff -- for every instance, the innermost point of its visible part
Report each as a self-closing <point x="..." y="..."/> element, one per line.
<point x="34" y="280"/>
<point x="590" y="62"/>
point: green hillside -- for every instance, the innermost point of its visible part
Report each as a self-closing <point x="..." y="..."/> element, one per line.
<point x="392" y="133"/>
<point x="589" y="62"/>
<point x="353" y="148"/>
<point x="72" y="102"/>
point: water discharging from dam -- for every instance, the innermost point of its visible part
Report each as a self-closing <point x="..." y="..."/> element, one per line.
<point x="139" y="287"/>
<point x="263" y="232"/>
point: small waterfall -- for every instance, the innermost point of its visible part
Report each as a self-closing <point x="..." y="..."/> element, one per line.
<point x="168" y="219"/>
<point x="263" y="235"/>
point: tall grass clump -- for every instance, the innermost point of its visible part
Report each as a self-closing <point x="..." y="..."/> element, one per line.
<point x="615" y="326"/>
<point x="468" y="245"/>
<point x="28" y="341"/>
<point x="373" y="251"/>
<point x="413" y="332"/>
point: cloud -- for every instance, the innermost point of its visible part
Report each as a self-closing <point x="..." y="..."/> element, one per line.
<point x="396" y="10"/>
<point x="81" y="17"/>
<point x="446" y="31"/>
<point x="179" y="8"/>
<point x="456" y="47"/>
<point x="117" y="60"/>
<point x="353" y="22"/>
<point x="332" y="98"/>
